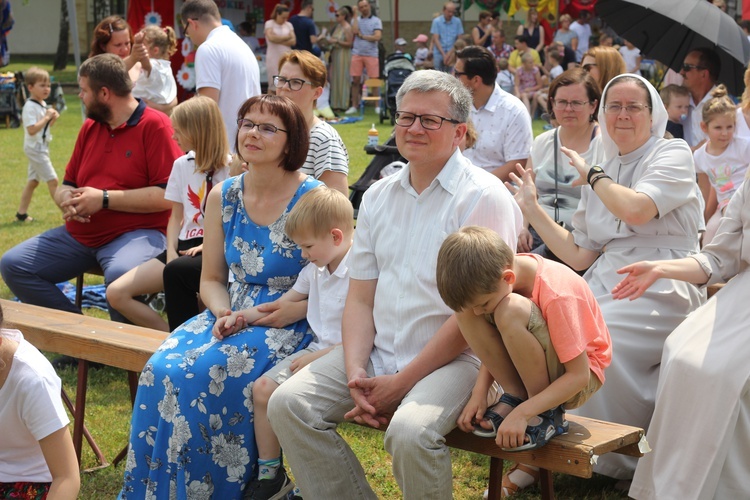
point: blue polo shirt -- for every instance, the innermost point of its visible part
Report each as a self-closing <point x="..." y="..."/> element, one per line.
<point x="448" y="31"/>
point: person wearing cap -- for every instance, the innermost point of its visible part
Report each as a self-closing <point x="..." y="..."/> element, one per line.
<point x="445" y="29"/>
<point x="400" y="45"/>
<point x="422" y="51"/>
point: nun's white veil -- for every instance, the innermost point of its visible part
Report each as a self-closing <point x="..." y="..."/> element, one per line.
<point x="659" y="115"/>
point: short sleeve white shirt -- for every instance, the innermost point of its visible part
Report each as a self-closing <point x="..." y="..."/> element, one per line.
<point x="226" y="63"/>
<point x="158" y="86"/>
<point x="30" y="409"/>
<point x="399" y="233"/>
<point x="326" y="295"/>
<point x="33" y="112"/>
<point x="190" y="188"/>
<point x="584" y="35"/>
<point x="504" y="132"/>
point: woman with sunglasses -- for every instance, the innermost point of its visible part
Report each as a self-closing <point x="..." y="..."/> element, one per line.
<point x="603" y="63"/>
<point x="641" y="203"/>
<point x="192" y="427"/>
<point x="301" y="78"/>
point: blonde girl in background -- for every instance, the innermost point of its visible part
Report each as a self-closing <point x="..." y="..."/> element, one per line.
<point x="198" y="129"/>
<point x="37" y="458"/>
<point x="156" y="84"/>
<point x="721" y="163"/>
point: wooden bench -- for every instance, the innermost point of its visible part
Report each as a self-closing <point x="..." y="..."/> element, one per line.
<point x="129" y="347"/>
<point x="574" y="452"/>
<point x="89" y="340"/>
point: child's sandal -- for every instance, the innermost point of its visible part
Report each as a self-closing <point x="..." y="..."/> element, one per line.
<point x="494" y="418"/>
<point x="24" y="218"/>
<point x="552" y="424"/>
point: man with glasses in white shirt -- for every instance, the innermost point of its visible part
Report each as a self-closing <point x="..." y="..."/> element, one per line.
<point x="403" y="358"/>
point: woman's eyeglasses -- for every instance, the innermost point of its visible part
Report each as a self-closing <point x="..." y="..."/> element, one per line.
<point x="630" y="109"/>
<point x="429" y="122"/>
<point x="267" y="129"/>
<point x="294" y="83"/>
<point x="587" y="67"/>
<point x="562" y="104"/>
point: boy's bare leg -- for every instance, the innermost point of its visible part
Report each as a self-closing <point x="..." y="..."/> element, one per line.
<point x="265" y="438"/>
<point x="525" y="352"/>
<point x="487" y="343"/>
<point x="26" y="195"/>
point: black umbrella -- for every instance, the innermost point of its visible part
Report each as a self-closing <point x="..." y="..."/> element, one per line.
<point x="666" y="30"/>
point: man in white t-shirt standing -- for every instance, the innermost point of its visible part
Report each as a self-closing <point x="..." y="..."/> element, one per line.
<point x="226" y="70"/>
<point x="582" y="28"/>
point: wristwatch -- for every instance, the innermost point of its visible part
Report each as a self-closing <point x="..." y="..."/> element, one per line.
<point x="596" y="169"/>
<point x="105" y="199"/>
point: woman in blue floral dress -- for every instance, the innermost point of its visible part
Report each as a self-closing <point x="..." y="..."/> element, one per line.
<point x="192" y="427"/>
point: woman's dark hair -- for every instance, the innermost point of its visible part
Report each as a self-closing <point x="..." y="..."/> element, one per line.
<point x="637" y="81"/>
<point x="575" y="76"/>
<point x="278" y="10"/>
<point x="297" y="135"/>
<point x="103" y="33"/>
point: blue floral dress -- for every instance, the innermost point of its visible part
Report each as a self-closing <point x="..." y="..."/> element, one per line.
<point x="192" y="433"/>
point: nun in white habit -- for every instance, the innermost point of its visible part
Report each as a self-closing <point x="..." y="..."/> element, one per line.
<point x="641" y="203"/>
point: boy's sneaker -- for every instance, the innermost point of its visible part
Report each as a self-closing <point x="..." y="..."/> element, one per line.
<point x="277" y="488"/>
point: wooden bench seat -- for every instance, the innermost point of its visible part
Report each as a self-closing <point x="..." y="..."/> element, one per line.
<point x="129" y="347"/>
<point x="574" y="453"/>
<point x="89" y="340"/>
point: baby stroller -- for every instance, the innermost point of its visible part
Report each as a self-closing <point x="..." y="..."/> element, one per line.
<point x="387" y="161"/>
<point x="397" y="67"/>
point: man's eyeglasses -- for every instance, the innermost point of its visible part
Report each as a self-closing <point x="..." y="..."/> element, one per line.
<point x="458" y="74"/>
<point x="428" y="122"/>
<point x="266" y="129"/>
<point x="186" y="26"/>
<point x="687" y="67"/>
<point x="562" y="104"/>
<point x="630" y="109"/>
<point x="294" y="83"/>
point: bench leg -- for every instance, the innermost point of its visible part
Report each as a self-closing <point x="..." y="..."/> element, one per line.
<point x="79" y="413"/>
<point x="496" y="478"/>
<point x="133" y="382"/>
<point x="548" y="492"/>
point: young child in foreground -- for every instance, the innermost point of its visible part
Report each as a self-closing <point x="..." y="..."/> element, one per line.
<point x="37" y="458"/>
<point x="37" y="119"/>
<point x="538" y="331"/>
<point x="321" y="223"/>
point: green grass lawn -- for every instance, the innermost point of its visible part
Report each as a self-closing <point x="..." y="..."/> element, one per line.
<point x="108" y="404"/>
